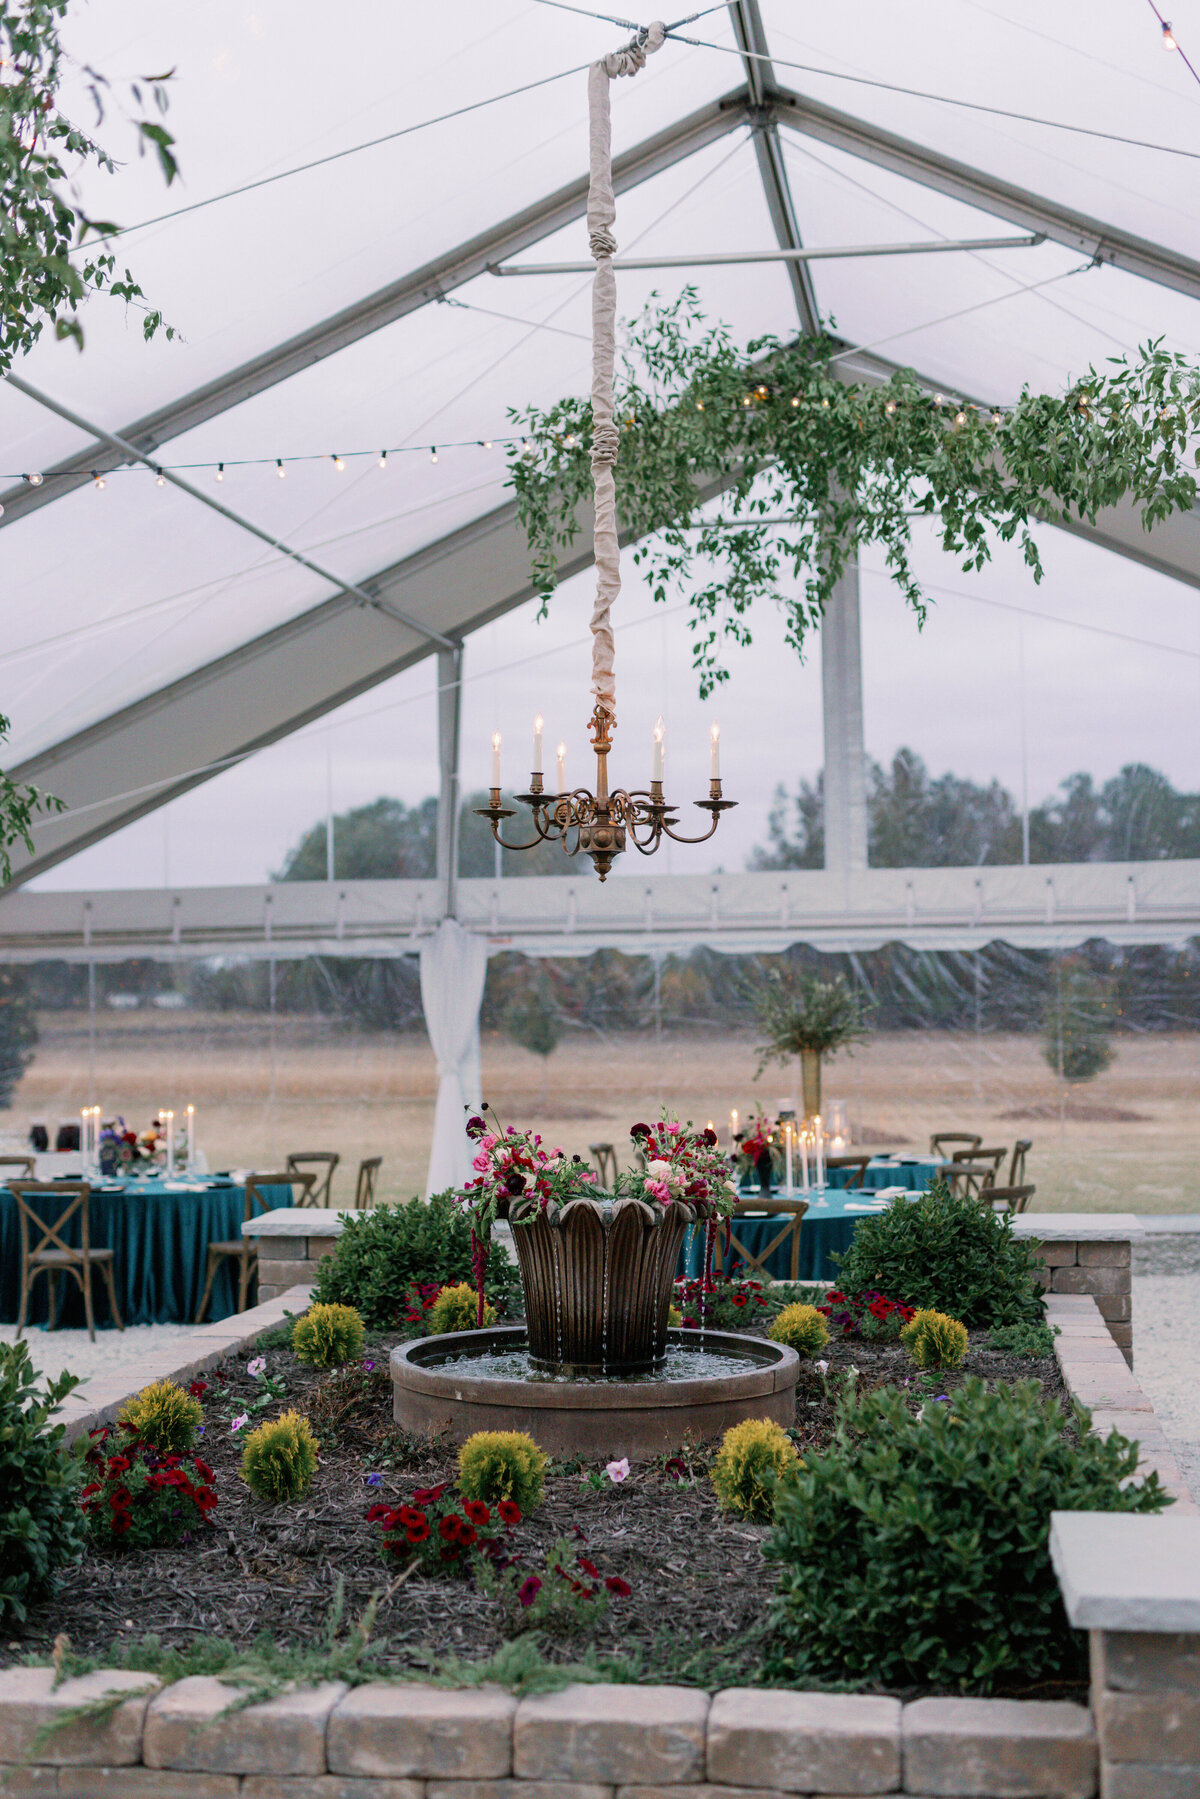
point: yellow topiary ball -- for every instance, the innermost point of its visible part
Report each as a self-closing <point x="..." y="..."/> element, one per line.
<point x="279" y="1459"/>
<point x="801" y="1328"/>
<point x="933" y="1340"/>
<point x="163" y="1415"/>
<point x="502" y="1464"/>
<point x="457" y="1309"/>
<point x="328" y="1336"/>
<point x="674" y="1318"/>
<point x="752" y="1457"/>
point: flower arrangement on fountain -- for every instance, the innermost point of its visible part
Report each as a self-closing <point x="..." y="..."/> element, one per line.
<point x="596" y="1266"/>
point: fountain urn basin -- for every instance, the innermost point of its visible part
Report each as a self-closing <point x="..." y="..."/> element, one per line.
<point x="598" y="1279"/>
<point x="462" y="1383"/>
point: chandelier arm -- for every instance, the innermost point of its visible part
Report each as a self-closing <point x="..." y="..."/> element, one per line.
<point x="716" y="807"/>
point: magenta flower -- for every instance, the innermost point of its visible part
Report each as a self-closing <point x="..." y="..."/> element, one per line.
<point x="528" y="1590"/>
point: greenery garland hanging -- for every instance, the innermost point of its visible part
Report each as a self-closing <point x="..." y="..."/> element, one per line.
<point x="812" y="468"/>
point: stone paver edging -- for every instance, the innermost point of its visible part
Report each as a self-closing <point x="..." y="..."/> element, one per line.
<point x="587" y="1742"/>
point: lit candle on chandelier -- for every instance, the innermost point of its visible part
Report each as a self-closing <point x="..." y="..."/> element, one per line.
<point x="538" y="725"/>
<point x="660" y="731"/>
<point x="495" y="758"/>
<point x="562" y="768"/>
<point x="733" y="1124"/>
<point x="191" y="1137"/>
<point x="715" y="738"/>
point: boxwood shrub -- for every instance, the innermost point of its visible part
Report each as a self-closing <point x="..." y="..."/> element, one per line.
<point x="947" y="1255"/>
<point x="914" y="1550"/>
<point x="386" y="1250"/>
<point x="41" y="1525"/>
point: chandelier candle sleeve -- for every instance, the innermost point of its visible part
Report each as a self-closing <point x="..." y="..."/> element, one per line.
<point x="733" y="1124"/>
<point x="538" y="727"/>
<point x="191" y="1138"/>
<point x="787" y="1147"/>
<point x="660" y="731"/>
<point x="715" y="738"/>
<point x="496" y="759"/>
<point x="804" y="1160"/>
<point x="562" y="768"/>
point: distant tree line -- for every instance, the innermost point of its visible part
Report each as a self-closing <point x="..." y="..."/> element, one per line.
<point x="916" y="820"/>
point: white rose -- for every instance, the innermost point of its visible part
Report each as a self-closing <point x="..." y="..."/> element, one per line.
<point x="659" y="1171"/>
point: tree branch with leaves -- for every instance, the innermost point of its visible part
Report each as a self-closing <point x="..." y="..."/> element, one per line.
<point x="812" y="468"/>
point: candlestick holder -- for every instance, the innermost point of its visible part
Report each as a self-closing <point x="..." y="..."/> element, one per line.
<point x="600" y="823"/>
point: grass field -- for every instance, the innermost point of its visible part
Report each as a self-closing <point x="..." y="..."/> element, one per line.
<point x="1130" y="1141"/>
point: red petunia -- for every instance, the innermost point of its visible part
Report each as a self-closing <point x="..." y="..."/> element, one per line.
<point x="429" y="1495"/>
<point x="588" y="1567"/>
<point x="449" y="1528"/>
<point x="510" y="1511"/>
<point x="477" y="1512"/>
<point x="466" y="1533"/>
<point x="739" y="1299"/>
<point x="203" y="1468"/>
<point x="528" y="1590"/>
<point x="375" y="1513"/>
<point x="616" y="1585"/>
<point x="417" y="1533"/>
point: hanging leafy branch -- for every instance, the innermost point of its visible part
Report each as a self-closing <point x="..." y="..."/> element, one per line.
<point x="41" y="152"/>
<point x="18" y="806"/>
<point x="811" y="468"/>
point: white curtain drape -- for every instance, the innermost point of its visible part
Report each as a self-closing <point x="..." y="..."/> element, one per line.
<point x="453" y="969"/>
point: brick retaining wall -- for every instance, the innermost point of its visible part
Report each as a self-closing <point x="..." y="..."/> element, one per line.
<point x="1088" y="1253"/>
<point x="403" y="1741"/>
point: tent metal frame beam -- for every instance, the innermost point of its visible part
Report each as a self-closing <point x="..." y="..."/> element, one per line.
<point x="1004" y="199"/>
<point x="751" y="37"/>
<point x="719" y="258"/>
<point x="431" y="282"/>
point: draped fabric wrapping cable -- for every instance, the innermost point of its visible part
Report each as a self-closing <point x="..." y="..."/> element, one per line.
<point x="606" y="437"/>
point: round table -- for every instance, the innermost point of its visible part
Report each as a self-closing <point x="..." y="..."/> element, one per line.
<point x="159" y="1232"/>
<point x="828" y="1224"/>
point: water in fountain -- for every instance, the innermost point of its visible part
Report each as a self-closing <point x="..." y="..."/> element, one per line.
<point x="517" y="1365"/>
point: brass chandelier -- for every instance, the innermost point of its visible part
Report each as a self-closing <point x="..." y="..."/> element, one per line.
<point x="599" y="822"/>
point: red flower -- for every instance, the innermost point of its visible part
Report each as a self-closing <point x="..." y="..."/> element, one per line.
<point x="477" y="1512"/>
<point x="510" y="1511"/>
<point x="429" y="1495"/>
<point x="198" y="1388"/>
<point x="121" y="1523"/>
<point x="466" y="1533"/>
<point x="528" y="1590"/>
<point x="739" y="1299"/>
<point x="202" y="1468"/>
<point x="93" y="1488"/>
<point x="588" y="1567"/>
<point x="620" y="1587"/>
<point x="417" y="1533"/>
<point x="375" y="1513"/>
<point x="449" y="1528"/>
<point x="409" y="1517"/>
<point x="118" y="1464"/>
<point x="449" y="1554"/>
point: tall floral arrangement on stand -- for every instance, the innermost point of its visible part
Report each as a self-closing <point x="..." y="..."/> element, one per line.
<point x="803" y="1016"/>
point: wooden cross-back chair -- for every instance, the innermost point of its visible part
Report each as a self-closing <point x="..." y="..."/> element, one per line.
<point x="972" y="1179"/>
<point x="1016" y="1168"/>
<point x="944" y="1143"/>
<point x="317" y="1159"/>
<point x="364" y="1191"/>
<point x="790" y="1210"/>
<point x="858" y="1163"/>
<point x="604" y="1155"/>
<point x="1007" y="1199"/>
<point x="24" y="1167"/>
<point x="242" y="1249"/>
<point x="52" y="1255"/>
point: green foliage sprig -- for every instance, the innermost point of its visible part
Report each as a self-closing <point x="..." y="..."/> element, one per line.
<point x="41" y="1525"/>
<point x="799" y="1012"/>
<point x="953" y="1255"/>
<point x="915" y="1551"/>
<point x="41" y="152"/>
<point x="18" y="805"/>
<point x="812" y="468"/>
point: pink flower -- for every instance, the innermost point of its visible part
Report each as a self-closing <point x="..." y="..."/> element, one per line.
<point x="528" y="1590"/>
<point x="482" y="1162"/>
<point x="488" y="1142"/>
<point x="617" y="1471"/>
<point x="240" y="1422"/>
<point x="660" y="1191"/>
<point x="256" y="1367"/>
<point x="674" y="1129"/>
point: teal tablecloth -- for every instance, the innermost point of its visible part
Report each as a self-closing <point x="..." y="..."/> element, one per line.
<point x="828" y="1224"/>
<point x="160" y="1240"/>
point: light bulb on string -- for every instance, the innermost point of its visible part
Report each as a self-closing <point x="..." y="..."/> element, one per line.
<point x="160" y="480"/>
<point x="279" y="468"/>
<point x="1168" y="41"/>
<point x="339" y="463"/>
<point x="220" y="471"/>
<point x="960" y="418"/>
<point x="889" y="407"/>
<point x="383" y="459"/>
<point x="34" y="480"/>
<point x="486" y="444"/>
<point x="433" y="454"/>
<point x="101" y="483"/>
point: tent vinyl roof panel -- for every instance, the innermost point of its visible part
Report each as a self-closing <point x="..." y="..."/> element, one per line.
<point x="310" y="322"/>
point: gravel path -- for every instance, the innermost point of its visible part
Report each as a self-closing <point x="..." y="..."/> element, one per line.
<point x="1166" y="1340"/>
<point x="52" y="1351"/>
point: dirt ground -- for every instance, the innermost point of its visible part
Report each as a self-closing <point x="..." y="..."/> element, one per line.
<point x="1128" y="1140"/>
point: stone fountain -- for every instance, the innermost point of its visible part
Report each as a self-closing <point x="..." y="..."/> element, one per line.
<point x="596" y="1371"/>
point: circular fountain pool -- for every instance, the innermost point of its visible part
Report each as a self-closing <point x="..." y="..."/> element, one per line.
<point x="486" y="1380"/>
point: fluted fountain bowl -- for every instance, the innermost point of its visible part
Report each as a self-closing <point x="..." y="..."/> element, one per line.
<point x="598" y="1276"/>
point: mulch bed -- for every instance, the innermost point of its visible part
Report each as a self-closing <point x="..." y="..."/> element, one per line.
<point x="701" y="1588"/>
